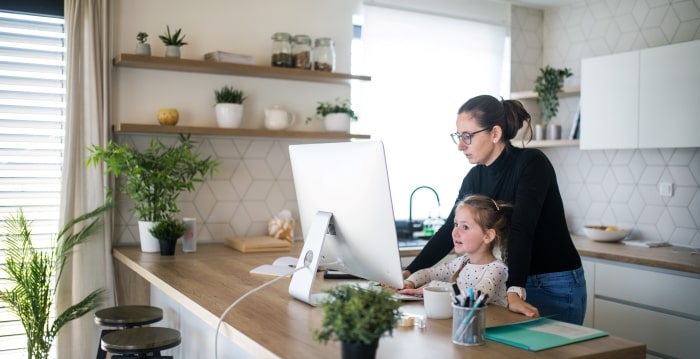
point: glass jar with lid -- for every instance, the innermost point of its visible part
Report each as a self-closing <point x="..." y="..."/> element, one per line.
<point x="282" y="49"/>
<point x="324" y="54"/>
<point x="301" y="49"/>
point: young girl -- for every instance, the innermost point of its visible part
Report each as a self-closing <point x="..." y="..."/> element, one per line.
<point x="480" y="225"/>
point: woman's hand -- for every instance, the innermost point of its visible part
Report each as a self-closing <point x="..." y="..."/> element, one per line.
<point x="406" y="274"/>
<point x="517" y="305"/>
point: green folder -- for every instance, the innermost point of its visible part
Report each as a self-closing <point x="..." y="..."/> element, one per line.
<point x="541" y="333"/>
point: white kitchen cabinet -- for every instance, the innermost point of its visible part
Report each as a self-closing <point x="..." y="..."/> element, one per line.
<point x="610" y="101"/>
<point x="642" y="99"/>
<point x="646" y="304"/>
<point x="669" y="96"/>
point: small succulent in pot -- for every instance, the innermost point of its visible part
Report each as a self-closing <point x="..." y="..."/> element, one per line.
<point x="173" y="39"/>
<point x="229" y="94"/>
<point x="142" y="37"/>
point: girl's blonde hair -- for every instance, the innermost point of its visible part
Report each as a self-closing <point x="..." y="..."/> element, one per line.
<point x="491" y="214"/>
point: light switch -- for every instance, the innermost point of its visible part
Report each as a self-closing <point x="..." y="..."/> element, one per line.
<point x="666" y="189"/>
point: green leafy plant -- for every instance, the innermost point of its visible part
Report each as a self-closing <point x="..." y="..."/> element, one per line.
<point x="547" y="85"/>
<point x="34" y="273"/>
<point x="228" y="94"/>
<point x="353" y="314"/>
<point x="155" y="177"/>
<point x="142" y="37"/>
<point x="168" y="229"/>
<point x="337" y="106"/>
<point x="173" y="39"/>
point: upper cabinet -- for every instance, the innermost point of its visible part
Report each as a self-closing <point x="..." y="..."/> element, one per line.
<point x="641" y="99"/>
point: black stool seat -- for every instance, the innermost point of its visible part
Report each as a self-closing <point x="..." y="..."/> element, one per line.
<point x="141" y="341"/>
<point x="127" y="316"/>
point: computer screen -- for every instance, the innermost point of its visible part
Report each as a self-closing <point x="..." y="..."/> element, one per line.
<point x="346" y="214"/>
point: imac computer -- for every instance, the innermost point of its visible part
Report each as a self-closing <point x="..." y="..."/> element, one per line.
<point x="346" y="215"/>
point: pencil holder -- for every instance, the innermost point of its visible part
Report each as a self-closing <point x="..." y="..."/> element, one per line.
<point x="468" y="325"/>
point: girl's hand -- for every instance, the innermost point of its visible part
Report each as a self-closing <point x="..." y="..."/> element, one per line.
<point x="517" y="305"/>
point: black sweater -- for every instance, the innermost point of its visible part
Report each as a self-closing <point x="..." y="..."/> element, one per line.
<point x="539" y="240"/>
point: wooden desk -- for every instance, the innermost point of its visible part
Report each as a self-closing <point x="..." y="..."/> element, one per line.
<point x="269" y="323"/>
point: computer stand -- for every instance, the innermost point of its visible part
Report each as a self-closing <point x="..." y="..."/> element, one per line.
<point x="301" y="285"/>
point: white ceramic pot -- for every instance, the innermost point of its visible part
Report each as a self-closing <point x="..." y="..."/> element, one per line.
<point x="149" y="244"/>
<point x="143" y="49"/>
<point x="337" y="122"/>
<point x="229" y="115"/>
<point x="172" y="51"/>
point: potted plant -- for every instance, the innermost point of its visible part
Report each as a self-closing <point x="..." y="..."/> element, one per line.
<point x="154" y="178"/>
<point x="168" y="231"/>
<point x="336" y="115"/>
<point x="32" y="273"/>
<point x="172" y="42"/>
<point x="229" y="106"/>
<point x="357" y="317"/>
<point x="142" y="48"/>
<point x="547" y="85"/>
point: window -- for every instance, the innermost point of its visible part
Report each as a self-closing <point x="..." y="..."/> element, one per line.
<point x="32" y="79"/>
<point x="423" y="68"/>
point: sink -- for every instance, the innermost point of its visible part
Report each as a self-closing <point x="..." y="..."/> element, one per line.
<point x="407" y="237"/>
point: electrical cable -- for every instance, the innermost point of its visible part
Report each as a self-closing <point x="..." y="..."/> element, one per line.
<point x="221" y="318"/>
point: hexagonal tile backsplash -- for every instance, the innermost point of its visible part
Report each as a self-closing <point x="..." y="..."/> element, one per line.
<point x="613" y="186"/>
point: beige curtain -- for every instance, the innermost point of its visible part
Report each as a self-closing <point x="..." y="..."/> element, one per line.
<point x="87" y="95"/>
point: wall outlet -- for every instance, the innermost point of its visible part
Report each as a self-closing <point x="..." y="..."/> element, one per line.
<point x="666" y="189"/>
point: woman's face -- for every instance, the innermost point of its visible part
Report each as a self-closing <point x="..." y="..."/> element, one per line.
<point x="467" y="235"/>
<point x="483" y="149"/>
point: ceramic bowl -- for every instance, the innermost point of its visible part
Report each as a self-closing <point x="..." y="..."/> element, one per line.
<point x="606" y="233"/>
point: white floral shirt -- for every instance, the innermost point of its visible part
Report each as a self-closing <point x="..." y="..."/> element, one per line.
<point x="488" y="278"/>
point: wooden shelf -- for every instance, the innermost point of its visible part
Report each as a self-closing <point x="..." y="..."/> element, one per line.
<point x="237" y="132"/>
<point x="531" y="95"/>
<point x="223" y="68"/>
<point x="546" y="143"/>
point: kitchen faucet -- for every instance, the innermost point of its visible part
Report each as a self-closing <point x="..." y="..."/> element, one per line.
<point x="410" y="206"/>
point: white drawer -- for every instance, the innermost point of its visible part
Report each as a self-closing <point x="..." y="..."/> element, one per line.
<point x="662" y="333"/>
<point x="665" y="291"/>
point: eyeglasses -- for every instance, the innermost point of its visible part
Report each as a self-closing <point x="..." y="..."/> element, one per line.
<point x="466" y="137"/>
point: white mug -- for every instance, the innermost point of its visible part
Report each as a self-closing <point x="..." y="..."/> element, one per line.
<point x="278" y="119"/>
<point x="437" y="302"/>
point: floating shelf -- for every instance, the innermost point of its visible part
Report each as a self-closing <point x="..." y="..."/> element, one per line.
<point x="546" y="143"/>
<point x="531" y="95"/>
<point x="236" y="132"/>
<point x="224" y="68"/>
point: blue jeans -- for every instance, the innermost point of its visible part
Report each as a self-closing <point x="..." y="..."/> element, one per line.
<point x="561" y="295"/>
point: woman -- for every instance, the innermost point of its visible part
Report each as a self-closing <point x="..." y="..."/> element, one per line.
<point x="545" y="276"/>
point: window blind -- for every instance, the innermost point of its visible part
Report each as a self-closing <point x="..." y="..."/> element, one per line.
<point x="32" y="80"/>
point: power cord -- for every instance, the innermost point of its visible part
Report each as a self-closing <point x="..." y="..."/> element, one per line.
<point x="221" y="318"/>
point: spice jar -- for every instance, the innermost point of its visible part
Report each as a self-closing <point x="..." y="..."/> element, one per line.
<point x="324" y="54"/>
<point x="282" y="50"/>
<point x="301" y="49"/>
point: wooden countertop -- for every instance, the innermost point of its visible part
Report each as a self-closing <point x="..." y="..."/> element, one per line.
<point x="673" y="258"/>
<point x="269" y="323"/>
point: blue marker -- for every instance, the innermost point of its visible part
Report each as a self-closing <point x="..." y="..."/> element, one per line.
<point x="470" y="294"/>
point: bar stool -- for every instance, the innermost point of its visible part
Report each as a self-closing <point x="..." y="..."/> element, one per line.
<point x="143" y="342"/>
<point x="124" y="317"/>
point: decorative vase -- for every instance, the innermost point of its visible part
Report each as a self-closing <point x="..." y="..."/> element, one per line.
<point x="168" y="116"/>
<point x="143" y="49"/>
<point x="172" y="51"/>
<point x="539" y="132"/>
<point x="149" y="244"/>
<point x="553" y="132"/>
<point x="359" y="350"/>
<point x="337" y="122"/>
<point x="167" y="247"/>
<point x="229" y="115"/>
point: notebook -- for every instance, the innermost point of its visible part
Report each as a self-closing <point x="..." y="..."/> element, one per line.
<point x="541" y="333"/>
